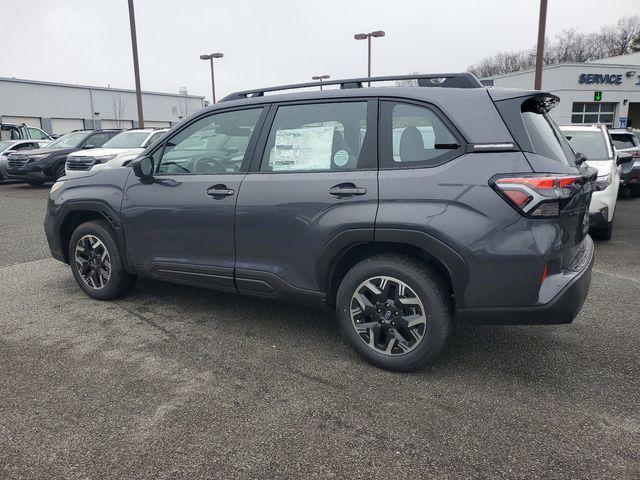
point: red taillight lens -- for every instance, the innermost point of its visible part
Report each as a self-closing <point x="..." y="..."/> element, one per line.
<point x="538" y="195"/>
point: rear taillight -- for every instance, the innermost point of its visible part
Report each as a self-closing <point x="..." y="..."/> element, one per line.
<point x="538" y="195"/>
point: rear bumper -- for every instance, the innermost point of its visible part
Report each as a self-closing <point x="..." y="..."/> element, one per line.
<point x="562" y="308"/>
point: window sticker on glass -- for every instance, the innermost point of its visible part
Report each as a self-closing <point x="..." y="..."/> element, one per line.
<point x="306" y="148"/>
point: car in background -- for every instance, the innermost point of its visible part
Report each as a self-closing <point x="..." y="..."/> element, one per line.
<point x="47" y="164"/>
<point x="593" y="143"/>
<point x="12" y="131"/>
<point x="116" y="152"/>
<point x="627" y="141"/>
<point x="11" y="146"/>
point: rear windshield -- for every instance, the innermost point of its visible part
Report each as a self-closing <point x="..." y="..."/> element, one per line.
<point x="624" y="140"/>
<point x="591" y="144"/>
<point x="546" y="138"/>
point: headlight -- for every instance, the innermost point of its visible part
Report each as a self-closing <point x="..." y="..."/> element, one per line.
<point x="38" y="157"/>
<point x="603" y="181"/>
<point x="105" y="158"/>
<point x="55" y="186"/>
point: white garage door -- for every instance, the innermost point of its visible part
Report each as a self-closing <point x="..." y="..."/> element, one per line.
<point x="65" y="125"/>
<point x="29" y="121"/>
<point x="154" y="124"/>
<point x="122" y="124"/>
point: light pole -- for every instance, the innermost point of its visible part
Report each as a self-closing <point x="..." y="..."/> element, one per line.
<point x="210" y="57"/>
<point x="367" y="36"/>
<point x="320" y="78"/>
<point x="542" y="23"/>
<point x="136" y="66"/>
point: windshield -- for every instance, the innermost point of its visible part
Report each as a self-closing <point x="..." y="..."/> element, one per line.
<point x="131" y="139"/>
<point x="591" y="144"/>
<point x="70" y="140"/>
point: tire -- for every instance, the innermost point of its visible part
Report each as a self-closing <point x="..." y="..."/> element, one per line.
<point x="604" y="233"/>
<point x="60" y="172"/>
<point x="424" y="293"/>
<point x="101" y="286"/>
<point x="35" y="183"/>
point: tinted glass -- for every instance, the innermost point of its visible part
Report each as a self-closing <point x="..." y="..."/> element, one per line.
<point x="591" y="144"/>
<point x="99" y="139"/>
<point x="414" y="136"/>
<point x="318" y="137"/>
<point x="623" y="140"/>
<point x="545" y="137"/>
<point x="131" y="139"/>
<point x="213" y="144"/>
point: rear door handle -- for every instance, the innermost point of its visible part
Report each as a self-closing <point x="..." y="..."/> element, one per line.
<point x="345" y="190"/>
<point x="219" y="190"/>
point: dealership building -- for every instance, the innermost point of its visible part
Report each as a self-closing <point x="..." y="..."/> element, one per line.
<point x="603" y="91"/>
<point x="60" y="108"/>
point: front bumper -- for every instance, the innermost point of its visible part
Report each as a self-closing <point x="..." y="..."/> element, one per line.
<point x="50" y="229"/>
<point x="562" y="308"/>
<point x="29" y="172"/>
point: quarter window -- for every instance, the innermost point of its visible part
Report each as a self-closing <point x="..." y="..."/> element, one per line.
<point x="318" y="137"/>
<point x="213" y="144"/>
<point x="415" y="137"/>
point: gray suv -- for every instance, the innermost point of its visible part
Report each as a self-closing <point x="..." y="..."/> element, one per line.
<point x="407" y="209"/>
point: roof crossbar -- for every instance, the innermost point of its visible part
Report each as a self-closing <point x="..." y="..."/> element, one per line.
<point x="450" y="80"/>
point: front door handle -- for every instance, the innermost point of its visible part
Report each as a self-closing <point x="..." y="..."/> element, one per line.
<point x="345" y="190"/>
<point x="220" y="190"/>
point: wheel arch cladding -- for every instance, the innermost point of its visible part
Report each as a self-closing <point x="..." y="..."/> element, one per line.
<point x="450" y="267"/>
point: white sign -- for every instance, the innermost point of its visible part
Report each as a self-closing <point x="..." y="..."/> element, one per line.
<point x="306" y="148"/>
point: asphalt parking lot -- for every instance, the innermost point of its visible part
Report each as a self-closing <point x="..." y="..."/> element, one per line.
<point x="178" y="382"/>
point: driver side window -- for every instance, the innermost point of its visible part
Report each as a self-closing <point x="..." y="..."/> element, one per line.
<point x="214" y="144"/>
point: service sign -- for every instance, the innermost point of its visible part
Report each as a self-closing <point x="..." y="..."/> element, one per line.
<point x="600" y="79"/>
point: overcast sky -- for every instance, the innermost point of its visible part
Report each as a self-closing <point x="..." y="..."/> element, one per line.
<point x="271" y="41"/>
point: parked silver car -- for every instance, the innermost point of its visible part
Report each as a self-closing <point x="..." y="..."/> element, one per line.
<point x="11" y="146"/>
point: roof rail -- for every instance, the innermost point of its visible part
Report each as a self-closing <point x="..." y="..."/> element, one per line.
<point x="450" y="80"/>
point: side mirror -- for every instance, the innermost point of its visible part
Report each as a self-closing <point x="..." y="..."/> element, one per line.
<point x="143" y="168"/>
<point x="623" y="157"/>
<point x="580" y="158"/>
<point x="86" y="147"/>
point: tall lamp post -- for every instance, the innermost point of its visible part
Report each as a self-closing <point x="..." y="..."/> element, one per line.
<point x="321" y="78"/>
<point x="367" y="37"/>
<point x="210" y="57"/>
<point x="136" y="66"/>
<point x="542" y="23"/>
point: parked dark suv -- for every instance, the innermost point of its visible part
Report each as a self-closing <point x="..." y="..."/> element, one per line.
<point x="47" y="164"/>
<point x="408" y="209"/>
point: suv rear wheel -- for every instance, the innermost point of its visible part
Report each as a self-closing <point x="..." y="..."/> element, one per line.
<point x="96" y="262"/>
<point x="394" y="311"/>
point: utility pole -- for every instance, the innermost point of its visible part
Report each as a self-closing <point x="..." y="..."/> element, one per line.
<point x="136" y="66"/>
<point x="542" y="23"/>
<point x="320" y="78"/>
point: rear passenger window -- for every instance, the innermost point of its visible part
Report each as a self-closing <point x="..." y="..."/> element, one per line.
<point x="98" y="139"/>
<point x="319" y="137"/>
<point x="414" y="136"/>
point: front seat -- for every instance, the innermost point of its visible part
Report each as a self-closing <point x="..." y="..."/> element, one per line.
<point x="411" y="145"/>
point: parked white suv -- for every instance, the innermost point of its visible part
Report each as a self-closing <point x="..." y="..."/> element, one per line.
<point x="117" y="151"/>
<point x="594" y="143"/>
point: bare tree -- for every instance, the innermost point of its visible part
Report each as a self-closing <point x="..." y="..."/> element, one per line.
<point x="118" y="107"/>
<point x="567" y="46"/>
<point x="618" y="38"/>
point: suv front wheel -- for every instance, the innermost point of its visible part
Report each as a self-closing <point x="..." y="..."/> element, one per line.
<point x="394" y="311"/>
<point x="96" y="262"/>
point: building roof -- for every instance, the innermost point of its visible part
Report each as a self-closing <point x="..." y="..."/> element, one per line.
<point x="596" y="63"/>
<point x="92" y="87"/>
